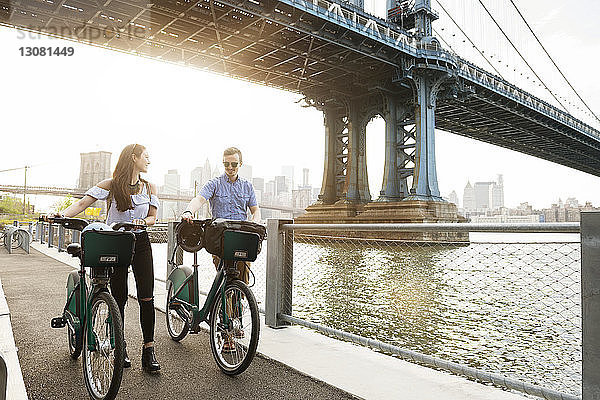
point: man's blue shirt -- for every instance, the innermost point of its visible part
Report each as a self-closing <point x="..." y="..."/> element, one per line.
<point x="229" y="200"/>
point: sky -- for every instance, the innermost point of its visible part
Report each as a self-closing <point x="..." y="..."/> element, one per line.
<point x="53" y="108"/>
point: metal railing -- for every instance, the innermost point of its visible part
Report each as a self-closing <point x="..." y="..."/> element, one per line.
<point x="504" y="309"/>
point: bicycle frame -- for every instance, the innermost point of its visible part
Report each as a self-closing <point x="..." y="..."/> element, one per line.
<point x="198" y="314"/>
<point x="85" y="303"/>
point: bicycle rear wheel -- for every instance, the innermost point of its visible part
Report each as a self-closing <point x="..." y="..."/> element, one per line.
<point x="103" y="358"/>
<point x="234" y="329"/>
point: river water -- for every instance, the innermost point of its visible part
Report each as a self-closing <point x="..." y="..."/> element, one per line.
<point x="506" y="303"/>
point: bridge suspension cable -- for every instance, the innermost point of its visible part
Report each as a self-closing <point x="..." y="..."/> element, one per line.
<point x="466" y="36"/>
<point x="521" y="55"/>
<point x="551" y="59"/>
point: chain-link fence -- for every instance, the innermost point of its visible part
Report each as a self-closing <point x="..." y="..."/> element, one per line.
<point x="510" y="308"/>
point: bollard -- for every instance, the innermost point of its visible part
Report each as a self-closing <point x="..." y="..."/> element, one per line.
<point x="50" y="235"/>
<point x="590" y="303"/>
<point x="30" y="229"/>
<point x="61" y="238"/>
<point x="278" y="294"/>
<point x="171" y="243"/>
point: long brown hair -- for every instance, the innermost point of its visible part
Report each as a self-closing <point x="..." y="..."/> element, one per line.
<point x="119" y="188"/>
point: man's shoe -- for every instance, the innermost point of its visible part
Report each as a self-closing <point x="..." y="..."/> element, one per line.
<point x="149" y="363"/>
<point x="127" y="362"/>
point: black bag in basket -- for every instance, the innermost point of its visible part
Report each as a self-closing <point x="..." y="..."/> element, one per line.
<point x="214" y="233"/>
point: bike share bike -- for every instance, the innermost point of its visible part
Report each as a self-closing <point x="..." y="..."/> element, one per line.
<point x="91" y="314"/>
<point x="230" y="308"/>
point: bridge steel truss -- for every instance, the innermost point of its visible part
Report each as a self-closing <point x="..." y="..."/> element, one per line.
<point x="348" y="64"/>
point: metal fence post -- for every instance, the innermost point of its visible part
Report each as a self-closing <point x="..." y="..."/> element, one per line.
<point x="171" y="243"/>
<point x="42" y="227"/>
<point x="50" y="235"/>
<point x="590" y="303"/>
<point x="278" y="293"/>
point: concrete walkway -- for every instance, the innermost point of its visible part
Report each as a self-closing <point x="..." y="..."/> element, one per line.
<point x="351" y="368"/>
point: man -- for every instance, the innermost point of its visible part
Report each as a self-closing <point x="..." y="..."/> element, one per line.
<point x="230" y="196"/>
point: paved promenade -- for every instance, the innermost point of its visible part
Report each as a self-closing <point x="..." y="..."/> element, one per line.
<point x="34" y="286"/>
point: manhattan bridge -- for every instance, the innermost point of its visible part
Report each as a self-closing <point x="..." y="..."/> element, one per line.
<point x="445" y="64"/>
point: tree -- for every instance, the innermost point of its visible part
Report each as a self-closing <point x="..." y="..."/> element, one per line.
<point x="63" y="203"/>
<point x="11" y="205"/>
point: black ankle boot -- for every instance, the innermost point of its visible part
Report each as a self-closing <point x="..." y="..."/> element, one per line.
<point x="149" y="363"/>
<point x="127" y="362"/>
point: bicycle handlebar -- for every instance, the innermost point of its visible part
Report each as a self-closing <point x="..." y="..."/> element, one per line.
<point x="127" y="226"/>
<point x="70" y="223"/>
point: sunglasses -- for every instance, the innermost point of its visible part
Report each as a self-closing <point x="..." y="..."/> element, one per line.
<point x="233" y="164"/>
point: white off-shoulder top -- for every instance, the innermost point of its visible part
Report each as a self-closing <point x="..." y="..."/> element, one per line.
<point x="141" y="204"/>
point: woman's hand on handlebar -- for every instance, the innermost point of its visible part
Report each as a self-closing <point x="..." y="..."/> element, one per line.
<point x="139" y="222"/>
<point x="50" y="216"/>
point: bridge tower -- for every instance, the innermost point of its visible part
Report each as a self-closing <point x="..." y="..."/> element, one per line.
<point x="94" y="167"/>
<point x="407" y="103"/>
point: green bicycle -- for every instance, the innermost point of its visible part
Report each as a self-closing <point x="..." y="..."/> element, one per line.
<point x="91" y="314"/>
<point x="230" y="308"/>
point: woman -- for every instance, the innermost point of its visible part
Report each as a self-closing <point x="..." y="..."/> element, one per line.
<point x="131" y="199"/>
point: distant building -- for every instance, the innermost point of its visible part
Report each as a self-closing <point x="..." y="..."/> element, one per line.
<point x="288" y="171"/>
<point x="453" y="198"/>
<point x="305" y="173"/>
<point x="483" y="196"/>
<point x="170" y="210"/>
<point x="469" y="198"/>
<point x="259" y="184"/>
<point x="281" y="185"/>
<point x="569" y="211"/>
<point x="196" y="177"/>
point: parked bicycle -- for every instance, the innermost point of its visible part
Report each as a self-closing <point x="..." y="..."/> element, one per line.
<point x="91" y="314"/>
<point x="230" y="308"/>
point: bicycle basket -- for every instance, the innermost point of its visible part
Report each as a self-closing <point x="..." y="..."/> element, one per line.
<point x="107" y="248"/>
<point x="244" y="237"/>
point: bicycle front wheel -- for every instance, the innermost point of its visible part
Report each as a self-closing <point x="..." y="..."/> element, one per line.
<point x="177" y="326"/>
<point x="103" y="356"/>
<point x="234" y="328"/>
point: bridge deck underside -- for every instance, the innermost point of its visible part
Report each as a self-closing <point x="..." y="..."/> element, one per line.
<point x="213" y="36"/>
<point x="487" y="118"/>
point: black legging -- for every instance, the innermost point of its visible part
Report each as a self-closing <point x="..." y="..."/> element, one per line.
<point x="143" y="271"/>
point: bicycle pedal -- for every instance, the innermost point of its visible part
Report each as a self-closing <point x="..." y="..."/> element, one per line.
<point x="58" y="322"/>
